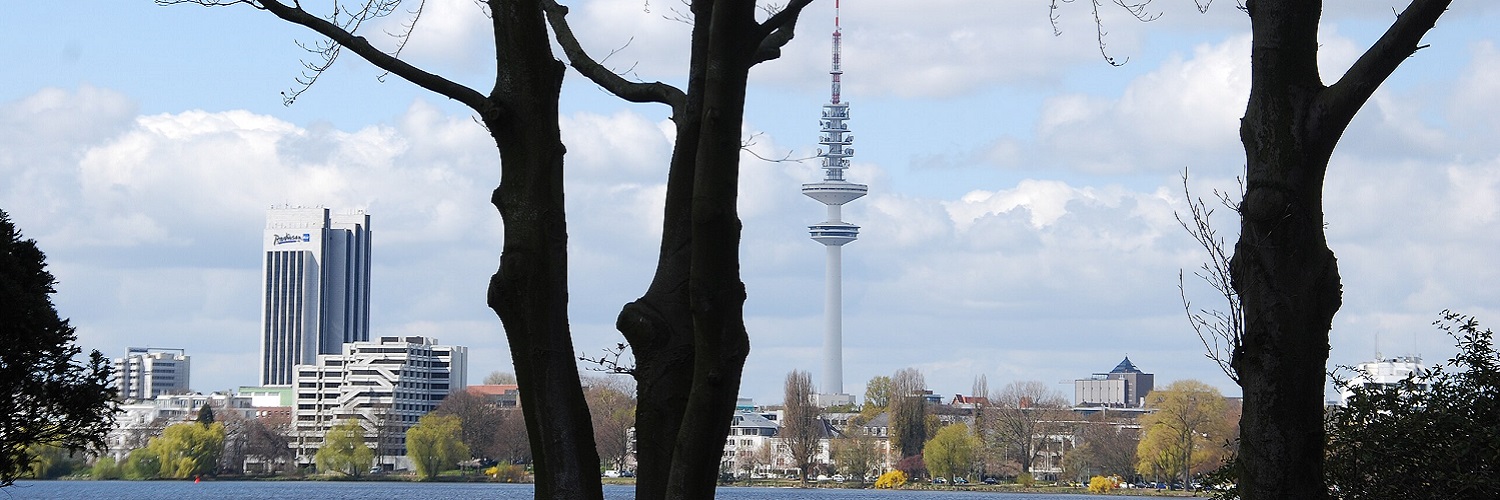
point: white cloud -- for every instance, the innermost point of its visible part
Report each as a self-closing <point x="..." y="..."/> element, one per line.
<point x="1185" y="112"/>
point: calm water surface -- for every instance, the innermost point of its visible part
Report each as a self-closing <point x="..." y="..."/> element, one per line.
<point x="234" y="490"/>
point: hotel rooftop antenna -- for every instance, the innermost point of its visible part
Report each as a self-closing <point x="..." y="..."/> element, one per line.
<point x="834" y="233"/>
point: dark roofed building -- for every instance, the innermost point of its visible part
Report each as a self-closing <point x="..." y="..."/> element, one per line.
<point x="1123" y="387"/>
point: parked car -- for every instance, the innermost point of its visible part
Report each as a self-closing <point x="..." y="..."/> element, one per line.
<point x="991" y="480"/>
<point x="960" y="480"/>
<point x="839" y="478"/>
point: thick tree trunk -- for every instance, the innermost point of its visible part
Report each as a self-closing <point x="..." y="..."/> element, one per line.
<point x="659" y="325"/>
<point x="659" y="328"/>
<point x="1285" y="274"/>
<point x="717" y="295"/>
<point x="1283" y="270"/>
<point x="530" y="291"/>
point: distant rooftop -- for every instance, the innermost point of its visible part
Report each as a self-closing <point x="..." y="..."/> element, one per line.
<point x="1125" y="367"/>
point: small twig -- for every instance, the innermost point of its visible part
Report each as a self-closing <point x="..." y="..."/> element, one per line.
<point x="1221" y="332"/>
<point x="609" y="362"/>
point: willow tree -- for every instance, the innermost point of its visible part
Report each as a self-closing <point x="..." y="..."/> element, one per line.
<point x="1186" y="430"/>
<point x="1283" y="270"/>
<point x="529" y="292"/>
<point x="687" y="332"/>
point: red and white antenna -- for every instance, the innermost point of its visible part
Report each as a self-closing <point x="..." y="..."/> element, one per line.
<point x="837" y="38"/>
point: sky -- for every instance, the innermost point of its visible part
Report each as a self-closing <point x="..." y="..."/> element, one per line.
<point x="1019" y="223"/>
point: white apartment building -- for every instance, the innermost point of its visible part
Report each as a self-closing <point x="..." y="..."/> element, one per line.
<point x="385" y="385"/>
<point x="139" y="421"/>
<point x="316" y="286"/>
<point x="752" y="434"/>
<point x="1386" y="372"/>
<point x="145" y="373"/>
<point x="755" y="440"/>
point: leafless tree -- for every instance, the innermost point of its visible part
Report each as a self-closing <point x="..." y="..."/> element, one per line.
<point x="1283" y="271"/>
<point x="530" y="291"/>
<point x="479" y="420"/>
<point x="1024" y="414"/>
<point x="266" y="439"/>
<point x="512" y="444"/>
<point x="500" y="378"/>
<point x="612" y="408"/>
<point x="801" y="427"/>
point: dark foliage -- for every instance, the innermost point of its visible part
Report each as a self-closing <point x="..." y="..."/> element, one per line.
<point x="46" y="396"/>
<point x="913" y="466"/>
<point x="206" y="414"/>
<point x="1410" y="441"/>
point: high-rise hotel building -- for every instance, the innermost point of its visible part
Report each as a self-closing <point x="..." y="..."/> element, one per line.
<point x="317" y="287"/>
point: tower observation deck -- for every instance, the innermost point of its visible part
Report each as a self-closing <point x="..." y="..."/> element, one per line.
<point x="833" y="192"/>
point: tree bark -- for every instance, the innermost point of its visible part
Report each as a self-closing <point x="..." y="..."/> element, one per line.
<point x="1283" y="270"/>
<point x="659" y="324"/>
<point x="716" y="294"/>
<point x="530" y="290"/>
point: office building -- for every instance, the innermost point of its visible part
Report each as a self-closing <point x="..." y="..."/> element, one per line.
<point x="316" y="273"/>
<point x="385" y="385"/>
<point x="145" y="373"/>
<point x="1123" y="387"/>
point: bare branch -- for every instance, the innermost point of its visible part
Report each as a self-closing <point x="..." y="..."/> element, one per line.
<point x="631" y="91"/>
<point x="1344" y="98"/>
<point x="609" y="362"/>
<point x="341" y="27"/>
<point x="787" y="158"/>
<point x="1099" y="34"/>
<point x="1221" y="331"/>
<point x="405" y="35"/>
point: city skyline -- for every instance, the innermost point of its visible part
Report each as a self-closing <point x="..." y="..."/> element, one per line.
<point x="1019" y="223"/>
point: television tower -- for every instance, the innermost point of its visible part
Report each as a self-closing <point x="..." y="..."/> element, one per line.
<point x="834" y="233"/>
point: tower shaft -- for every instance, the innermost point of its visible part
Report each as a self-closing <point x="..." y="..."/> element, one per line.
<point x="833" y="322"/>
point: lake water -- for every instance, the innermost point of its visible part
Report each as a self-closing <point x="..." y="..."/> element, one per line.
<point x="234" y="490"/>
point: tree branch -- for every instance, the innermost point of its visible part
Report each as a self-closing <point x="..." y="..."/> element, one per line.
<point x="1344" y="98"/>
<point x="779" y="29"/>
<point x="1220" y="331"/>
<point x="631" y="91"/>
<point x="295" y="14"/>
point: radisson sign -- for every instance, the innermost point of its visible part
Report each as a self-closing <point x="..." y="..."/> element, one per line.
<point x="293" y="238"/>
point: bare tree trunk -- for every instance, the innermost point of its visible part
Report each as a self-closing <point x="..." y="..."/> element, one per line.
<point x="716" y="293"/>
<point x="530" y="291"/>
<point x="659" y="325"/>
<point x="1282" y="269"/>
